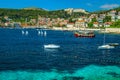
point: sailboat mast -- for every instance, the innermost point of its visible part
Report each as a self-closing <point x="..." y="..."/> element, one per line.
<point x="104" y="36"/>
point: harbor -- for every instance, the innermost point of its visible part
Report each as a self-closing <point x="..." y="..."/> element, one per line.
<point x="59" y="40"/>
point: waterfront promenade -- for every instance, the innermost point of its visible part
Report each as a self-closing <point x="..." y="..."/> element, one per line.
<point x="108" y="30"/>
<point x="113" y="30"/>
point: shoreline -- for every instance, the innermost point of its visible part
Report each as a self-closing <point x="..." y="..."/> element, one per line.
<point x="74" y="29"/>
<point x="111" y="30"/>
<point x="107" y="30"/>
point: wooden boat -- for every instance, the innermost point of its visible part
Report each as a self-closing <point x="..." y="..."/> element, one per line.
<point x="88" y="34"/>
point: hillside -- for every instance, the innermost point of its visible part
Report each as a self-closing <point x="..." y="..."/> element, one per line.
<point x="30" y="13"/>
<point x="106" y="11"/>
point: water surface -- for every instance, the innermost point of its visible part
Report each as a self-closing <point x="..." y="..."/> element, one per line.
<point x="23" y="57"/>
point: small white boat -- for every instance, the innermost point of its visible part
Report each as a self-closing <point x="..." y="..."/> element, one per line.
<point x="23" y="32"/>
<point x="26" y="33"/>
<point x="106" y="47"/>
<point x="38" y="32"/>
<point x="45" y="33"/>
<point x="51" y="46"/>
<point x="41" y="32"/>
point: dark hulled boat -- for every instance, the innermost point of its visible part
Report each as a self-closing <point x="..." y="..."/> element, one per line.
<point x="88" y="34"/>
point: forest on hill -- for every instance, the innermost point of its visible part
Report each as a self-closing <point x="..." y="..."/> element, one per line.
<point x="22" y="14"/>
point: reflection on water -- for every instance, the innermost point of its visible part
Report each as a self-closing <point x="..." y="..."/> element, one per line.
<point x="50" y="50"/>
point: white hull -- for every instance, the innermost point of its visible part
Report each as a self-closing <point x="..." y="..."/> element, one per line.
<point x="106" y="47"/>
<point x="51" y="46"/>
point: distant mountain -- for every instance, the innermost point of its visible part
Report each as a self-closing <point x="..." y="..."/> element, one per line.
<point x="33" y="8"/>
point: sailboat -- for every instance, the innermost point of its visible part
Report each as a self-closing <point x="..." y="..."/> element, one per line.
<point x="23" y="32"/>
<point x="45" y="33"/>
<point x="41" y="32"/>
<point x="38" y="32"/>
<point x="26" y="33"/>
<point x="105" y="46"/>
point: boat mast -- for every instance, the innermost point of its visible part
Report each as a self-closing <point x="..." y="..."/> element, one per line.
<point x="104" y="37"/>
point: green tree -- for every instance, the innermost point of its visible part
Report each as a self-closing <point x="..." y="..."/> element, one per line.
<point x="107" y="19"/>
<point x="94" y="20"/>
<point x="90" y="24"/>
<point x="3" y="20"/>
<point x="116" y="24"/>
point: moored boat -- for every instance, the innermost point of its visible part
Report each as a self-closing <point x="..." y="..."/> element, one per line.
<point x="113" y="44"/>
<point x="88" y="34"/>
<point x="106" y="47"/>
<point x="51" y="46"/>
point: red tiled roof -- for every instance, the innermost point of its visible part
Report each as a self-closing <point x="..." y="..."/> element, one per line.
<point x="95" y="23"/>
<point x="70" y="23"/>
<point x="108" y="23"/>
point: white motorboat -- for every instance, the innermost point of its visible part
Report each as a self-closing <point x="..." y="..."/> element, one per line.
<point x="51" y="46"/>
<point x="106" y="47"/>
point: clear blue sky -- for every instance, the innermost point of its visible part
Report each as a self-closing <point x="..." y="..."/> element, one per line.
<point x="89" y="5"/>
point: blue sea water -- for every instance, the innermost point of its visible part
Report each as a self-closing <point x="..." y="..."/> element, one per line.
<point x="23" y="57"/>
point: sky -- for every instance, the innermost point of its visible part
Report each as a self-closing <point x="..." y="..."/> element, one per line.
<point x="88" y="5"/>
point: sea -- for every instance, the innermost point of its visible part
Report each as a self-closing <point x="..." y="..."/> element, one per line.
<point x="23" y="56"/>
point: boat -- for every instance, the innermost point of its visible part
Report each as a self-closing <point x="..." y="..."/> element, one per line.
<point x="23" y="32"/>
<point x="38" y="32"/>
<point x="45" y="33"/>
<point x="51" y="46"/>
<point x="88" y="34"/>
<point x="26" y="33"/>
<point x="106" y="46"/>
<point x="113" y="44"/>
<point x="41" y="32"/>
